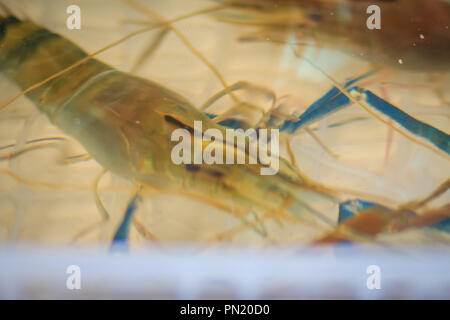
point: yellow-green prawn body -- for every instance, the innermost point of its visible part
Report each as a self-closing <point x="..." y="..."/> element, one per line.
<point x="125" y="123"/>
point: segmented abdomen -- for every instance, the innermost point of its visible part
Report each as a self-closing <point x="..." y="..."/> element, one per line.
<point x="30" y="54"/>
<point x="104" y="109"/>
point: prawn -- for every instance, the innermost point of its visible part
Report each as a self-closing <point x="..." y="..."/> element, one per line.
<point x="414" y="34"/>
<point x="125" y="123"/>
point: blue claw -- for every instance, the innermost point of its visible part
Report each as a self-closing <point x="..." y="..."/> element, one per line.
<point x="317" y="110"/>
<point x="335" y="100"/>
<point x="122" y="233"/>
<point x="436" y="137"/>
<point x="332" y="101"/>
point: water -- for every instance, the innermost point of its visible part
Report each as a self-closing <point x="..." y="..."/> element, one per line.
<point x="57" y="203"/>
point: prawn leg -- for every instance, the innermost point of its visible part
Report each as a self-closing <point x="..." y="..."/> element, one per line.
<point x="163" y="33"/>
<point x="150" y="49"/>
<point x="332" y="101"/>
<point x="30" y="145"/>
<point x="233" y="118"/>
<point x="121" y="236"/>
<point x="435" y="136"/>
